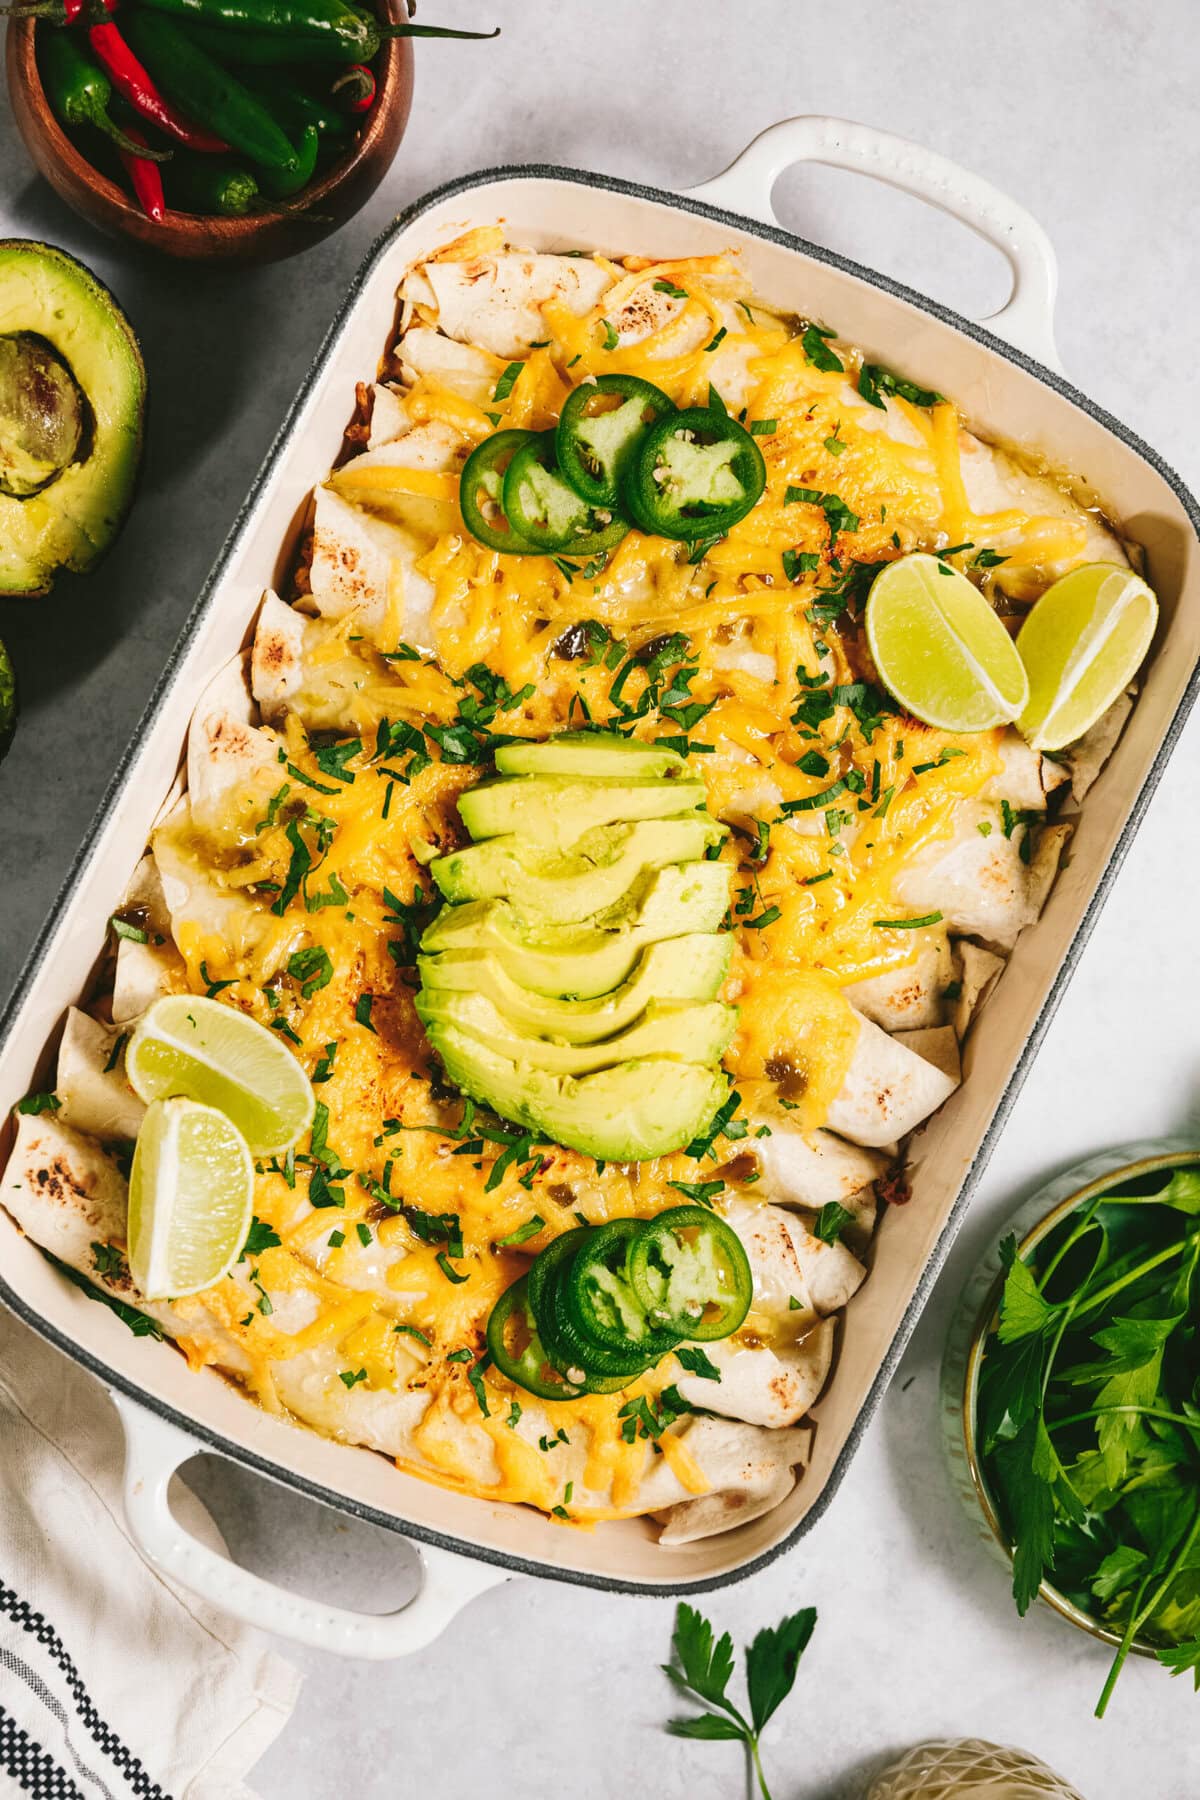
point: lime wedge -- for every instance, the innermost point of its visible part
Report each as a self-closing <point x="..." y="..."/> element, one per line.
<point x="218" y="1056"/>
<point x="1082" y="644"/>
<point x="191" y="1199"/>
<point x="940" y="649"/>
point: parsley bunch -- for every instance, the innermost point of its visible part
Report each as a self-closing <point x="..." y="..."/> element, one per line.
<point x="1089" y="1416"/>
<point x="701" y="1669"/>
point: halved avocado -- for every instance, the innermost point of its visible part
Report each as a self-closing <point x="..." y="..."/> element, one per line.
<point x="72" y="397"/>
<point x="604" y="866"/>
<point x="693" y="1031"/>
<point x="593" y="753"/>
<point x="630" y="1113"/>
<point x="557" y="810"/>
<point x="683" y="968"/>
<point x="593" y="958"/>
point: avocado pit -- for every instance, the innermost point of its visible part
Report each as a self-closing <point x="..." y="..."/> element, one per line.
<point x="43" y="414"/>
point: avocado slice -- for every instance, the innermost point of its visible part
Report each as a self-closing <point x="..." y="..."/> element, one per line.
<point x="72" y="396"/>
<point x="555" y="811"/>
<point x="696" y="1031"/>
<point x="593" y="753"/>
<point x="630" y="1113"/>
<point x="682" y="968"/>
<point x="593" y="958"/>
<point x="599" y="871"/>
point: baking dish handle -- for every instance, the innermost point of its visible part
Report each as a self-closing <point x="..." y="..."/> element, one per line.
<point x="155" y="1449"/>
<point x="1026" y="321"/>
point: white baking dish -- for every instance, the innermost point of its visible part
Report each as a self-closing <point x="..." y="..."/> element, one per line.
<point x="1002" y="378"/>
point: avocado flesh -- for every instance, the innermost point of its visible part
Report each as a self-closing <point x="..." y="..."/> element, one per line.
<point x="555" y="811"/>
<point x="631" y="1113"/>
<point x="42" y="415"/>
<point x="603" y="867"/>
<point x="699" y="1031"/>
<point x="683" y="968"/>
<point x="593" y="753"/>
<point x="72" y="519"/>
<point x="590" y="959"/>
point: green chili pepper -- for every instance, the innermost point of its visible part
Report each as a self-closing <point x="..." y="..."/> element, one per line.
<point x="295" y="107"/>
<point x="212" y="185"/>
<point x="599" y="430"/>
<point x="688" y="1269"/>
<point x="546" y="511"/>
<point x="695" y="474"/>
<point x="280" y="184"/>
<point x="517" y="1350"/>
<point x="79" y="91"/>
<point x="289" y="31"/>
<point x="600" y="1300"/>
<point x="207" y="92"/>
<point x="481" y="491"/>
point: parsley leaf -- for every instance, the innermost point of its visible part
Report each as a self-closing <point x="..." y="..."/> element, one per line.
<point x="701" y="1669"/>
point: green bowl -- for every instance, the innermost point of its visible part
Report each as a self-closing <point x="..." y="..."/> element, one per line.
<point x="975" y="1317"/>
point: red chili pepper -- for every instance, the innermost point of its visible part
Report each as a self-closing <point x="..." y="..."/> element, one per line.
<point x="355" y="88"/>
<point x="145" y="178"/>
<point x="132" y="80"/>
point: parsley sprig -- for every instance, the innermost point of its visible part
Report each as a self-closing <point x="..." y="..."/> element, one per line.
<point x="701" y="1668"/>
<point x="1088" y="1425"/>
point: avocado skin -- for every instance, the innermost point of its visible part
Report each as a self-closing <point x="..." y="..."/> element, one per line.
<point x="700" y="1030"/>
<point x="683" y="968"/>
<point x="600" y="869"/>
<point x="74" y="521"/>
<point x="553" y="811"/>
<point x="589" y="753"/>
<point x="595" y="957"/>
<point x="630" y="1113"/>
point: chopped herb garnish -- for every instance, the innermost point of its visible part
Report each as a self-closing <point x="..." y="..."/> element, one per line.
<point x="39" y="1103"/>
<point x="312" y="968"/>
<point x="523" y="1233"/>
<point x="831" y="1221"/>
<point x="933" y="918"/>
<point x="818" y="352"/>
<point x="722" y="333"/>
<point x="874" y="381"/>
<point x="508" y="380"/>
<point x="351" y="1378"/>
<point x="124" y="929"/>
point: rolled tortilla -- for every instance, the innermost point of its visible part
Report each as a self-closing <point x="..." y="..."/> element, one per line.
<point x="938" y="1044"/>
<point x="976" y="877"/>
<point x="977" y="971"/>
<point x="367" y="565"/>
<point x="495" y="301"/>
<point x="90" y="1081"/>
<point x="277" y="657"/>
<point x="1085" y="758"/>
<point x="888" y="1091"/>
<point x="751" y="1471"/>
<point x="389" y="420"/>
<point x="71" y="1199"/>
<point x="911" y="997"/>
<point x="464" y="369"/>
<point x="228" y="753"/>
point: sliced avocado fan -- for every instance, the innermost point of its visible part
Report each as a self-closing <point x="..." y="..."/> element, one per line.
<point x="572" y="982"/>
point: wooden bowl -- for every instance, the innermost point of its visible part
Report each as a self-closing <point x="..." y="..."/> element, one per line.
<point x="259" y="237"/>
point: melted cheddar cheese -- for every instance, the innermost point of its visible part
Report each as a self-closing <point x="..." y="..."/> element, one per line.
<point x="827" y="790"/>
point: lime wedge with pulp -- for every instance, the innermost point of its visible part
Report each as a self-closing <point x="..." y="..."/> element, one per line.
<point x="1082" y="644"/>
<point x="940" y="649"/>
<point x="220" y="1057"/>
<point x="191" y="1199"/>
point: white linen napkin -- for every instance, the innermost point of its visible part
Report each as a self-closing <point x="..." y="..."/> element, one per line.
<point x="114" y="1684"/>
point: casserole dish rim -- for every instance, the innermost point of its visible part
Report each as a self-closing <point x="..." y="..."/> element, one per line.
<point x="207" y="1438"/>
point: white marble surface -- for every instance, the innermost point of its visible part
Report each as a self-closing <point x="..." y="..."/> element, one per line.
<point x="1086" y="111"/>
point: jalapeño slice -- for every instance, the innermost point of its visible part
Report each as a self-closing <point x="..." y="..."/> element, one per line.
<point x="481" y="492"/>
<point x="600" y="1301"/>
<point x="599" y="430"/>
<point x="604" y="1370"/>
<point x="517" y="1350"/>
<point x="695" y="474"/>
<point x="564" y="1345"/>
<point x="545" y="510"/>
<point x="690" y="1273"/>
